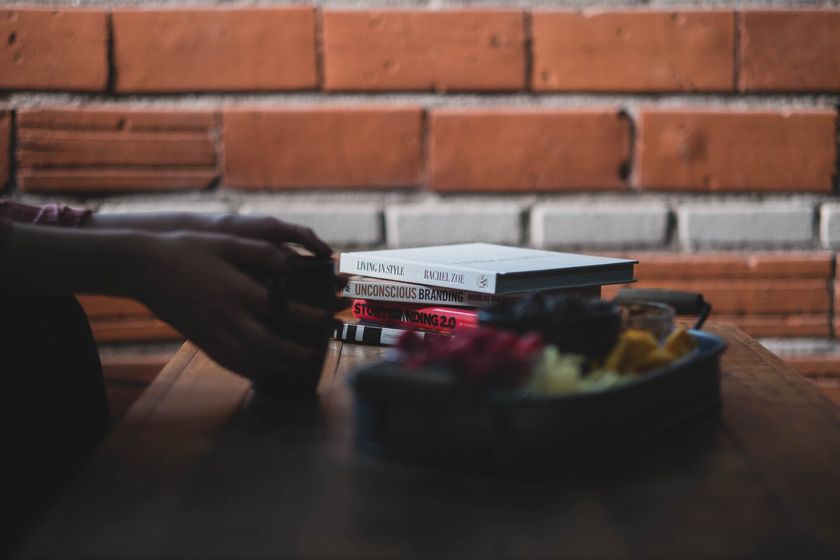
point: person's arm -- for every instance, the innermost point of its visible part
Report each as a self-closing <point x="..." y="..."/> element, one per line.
<point x="195" y="281"/>
<point x="46" y="260"/>
<point x="265" y="228"/>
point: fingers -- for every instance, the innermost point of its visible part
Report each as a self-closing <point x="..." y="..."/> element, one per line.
<point x="341" y="281"/>
<point x="257" y="254"/>
<point x="254" y="296"/>
<point x="306" y="237"/>
<point x="306" y="314"/>
<point x="271" y="229"/>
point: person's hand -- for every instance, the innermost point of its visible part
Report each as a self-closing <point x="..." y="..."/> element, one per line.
<point x="197" y="283"/>
<point x="268" y="229"/>
<point x="264" y="228"/>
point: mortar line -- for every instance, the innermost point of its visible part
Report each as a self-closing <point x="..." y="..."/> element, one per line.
<point x="664" y="5"/>
<point x="110" y="85"/>
<point x="832" y="282"/>
<point x="525" y="237"/>
<point x="836" y="185"/>
<point x="219" y="149"/>
<point x="12" y="181"/>
<point x="627" y="167"/>
<point x="528" y="34"/>
<point x="802" y="100"/>
<point x="425" y="148"/>
<point x="736" y="52"/>
<point x="319" y="49"/>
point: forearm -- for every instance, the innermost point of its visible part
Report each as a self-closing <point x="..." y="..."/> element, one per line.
<point x="149" y="221"/>
<point x="46" y="260"/>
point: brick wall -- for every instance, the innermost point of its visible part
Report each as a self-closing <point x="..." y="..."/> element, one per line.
<point x="704" y="138"/>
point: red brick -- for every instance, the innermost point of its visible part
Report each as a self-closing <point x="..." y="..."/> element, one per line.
<point x="5" y="140"/>
<point x="323" y="147"/>
<point x="115" y="180"/>
<point x="99" y="307"/>
<point x="53" y="49"/>
<point x="133" y="369"/>
<point x="770" y="265"/>
<point x="790" y="50"/>
<point x="222" y="49"/>
<point x="108" y="149"/>
<point x="837" y="298"/>
<point x="424" y="50"/>
<point x="816" y="365"/>
<point x="116" y="119"/>
<point x="49" y="148"/>
<point x="633" y="51"/>
<point x="779" y="326"/>
<point x="737" y="151"/>
<point x="133" y="329"/>
<point x="527" y="150"/>
<point x="757" y="297"/>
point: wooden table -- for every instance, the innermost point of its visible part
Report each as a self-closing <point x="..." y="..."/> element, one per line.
<point x="202" y="468"/>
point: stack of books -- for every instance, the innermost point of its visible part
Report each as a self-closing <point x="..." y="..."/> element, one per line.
<point x="437" y="290"/>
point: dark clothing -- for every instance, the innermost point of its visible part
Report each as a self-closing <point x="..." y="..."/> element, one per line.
<point x="55" y="410"/>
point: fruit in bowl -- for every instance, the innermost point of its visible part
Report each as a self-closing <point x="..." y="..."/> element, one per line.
<point x="495" y="359"/>
<point x="485" y="357"/>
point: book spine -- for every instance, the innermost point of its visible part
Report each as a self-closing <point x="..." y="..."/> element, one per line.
<point x="437" y="319"/>
<point x="400" y="292"/>
<point x="373" y="335"/>
<point x="441" y="276"/>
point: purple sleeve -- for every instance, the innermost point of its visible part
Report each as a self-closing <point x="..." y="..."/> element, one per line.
<point x="51" y="214"/>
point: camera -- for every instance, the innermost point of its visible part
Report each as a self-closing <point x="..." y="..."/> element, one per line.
<point x="310" y="281"/>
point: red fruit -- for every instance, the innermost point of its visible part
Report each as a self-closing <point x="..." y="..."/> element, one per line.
<point x="459" y="346"/>
<point x="505" y="341"/>
<point x="484" y="355"/>
<point x="530" y="343"/>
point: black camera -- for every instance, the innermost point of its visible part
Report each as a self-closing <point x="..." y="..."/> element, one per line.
<point x="310" y="281"/>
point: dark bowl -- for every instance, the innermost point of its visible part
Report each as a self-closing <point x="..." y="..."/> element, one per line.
<point x="422" y="416"/>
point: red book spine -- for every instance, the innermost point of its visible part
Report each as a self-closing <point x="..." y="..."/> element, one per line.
<point x="436" y="319"/>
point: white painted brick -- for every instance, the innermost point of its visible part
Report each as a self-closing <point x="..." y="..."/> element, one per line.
<point x="164" y="205"/>
<point x="615" y="226"/>
<point x="830" y="225"/>
<point x="412" y="225"/>
<point x="758" y="225"/>
<point x="801" y="346"/>
<point x="340" y="224"/>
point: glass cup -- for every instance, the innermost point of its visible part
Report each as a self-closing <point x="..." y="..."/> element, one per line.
<point x="656" y="318"/>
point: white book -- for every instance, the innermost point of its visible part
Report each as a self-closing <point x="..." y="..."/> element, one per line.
<point x="488" y="268"/>
<point x="376" y="289"/>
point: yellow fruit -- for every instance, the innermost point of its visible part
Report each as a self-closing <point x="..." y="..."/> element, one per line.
<point x="632" y="349"/>
<point x="680" y="342"/>
<point x="658" y="358"/>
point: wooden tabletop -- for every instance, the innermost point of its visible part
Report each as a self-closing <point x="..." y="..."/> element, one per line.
<point x="202" y="468"/>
